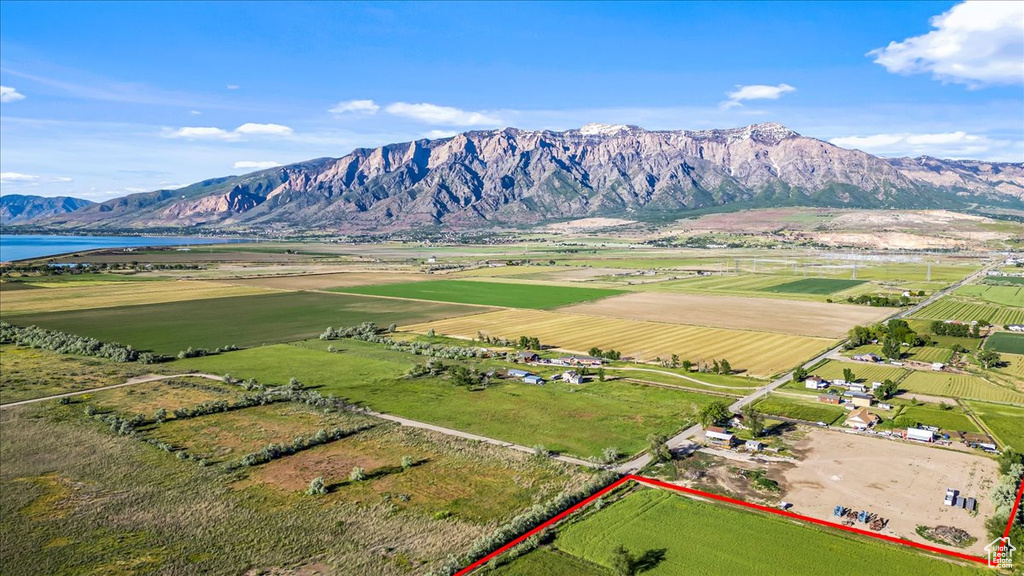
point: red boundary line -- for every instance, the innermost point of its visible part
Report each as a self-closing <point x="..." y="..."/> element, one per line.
<point x="1009" y="523"/>
<point x="702" y="494"/>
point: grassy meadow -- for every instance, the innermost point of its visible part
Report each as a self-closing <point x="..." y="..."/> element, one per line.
<point x="1004" y="421"/>
<point x="27" y="373"/>
<point x="508" y="295"/>
<point x="1005" y="342"/>
<point x="814" y="286"/>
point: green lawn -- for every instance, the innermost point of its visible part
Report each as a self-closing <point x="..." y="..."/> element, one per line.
<point x="809" y="410"/>
<point x="170" y="327"/>
<point x="1005" y="295"/>
<point x="814" y="286"/>
<point x="687" y="535"/>
<point x="545" y="562"/>
<point x="580" y="420"/>
<point x="1005" y="342"/>
<point x="1004" y="421"/>
<point x="510" y="295"/>
<point x="949" y="420"/>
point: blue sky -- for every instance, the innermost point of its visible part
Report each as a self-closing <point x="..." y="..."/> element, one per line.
<point x="104" y="99"/>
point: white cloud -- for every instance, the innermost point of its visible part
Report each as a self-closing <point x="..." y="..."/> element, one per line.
<point x="434" y="134"/>
<point x="233" y="86"/>
<point x="754" y="92"/>
<point x="256" y="164"/>
<point x="213" y="133"/>
<point x="445" y="115"/>
<point x="195" y="112"/>
<point x="974" y="43"/>
<point x="957" y="144"/>
<point x="264" y="129"/>
<point x="17" y="177"/>
<point x="8" y="94"/>
<point x="360" y="107"/>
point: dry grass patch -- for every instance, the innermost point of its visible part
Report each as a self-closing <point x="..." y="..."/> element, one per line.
<point x="759" y="353"/>
<point x="148" y="397"/>
<point x="27" y="373"/>
<point x="783" y="316"/>
<point x="63" y="297"/>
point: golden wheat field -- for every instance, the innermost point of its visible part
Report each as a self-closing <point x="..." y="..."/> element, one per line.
<point x="65" y="298"/>
<point x="759" y="353"/>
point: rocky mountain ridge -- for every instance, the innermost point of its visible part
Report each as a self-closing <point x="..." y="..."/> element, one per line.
<point x="512" y="177"/>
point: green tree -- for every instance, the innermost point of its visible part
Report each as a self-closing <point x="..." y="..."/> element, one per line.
<point x="622" y="561"/>
<point x="724" y="367"/>
<point x="595" y="352"/>
<point x="600" y="374"/>
<point x="687" y="365"/>
<point x="714" y="413"/>
<point x="317" y="487"/>
<point x="657" y="448"/>
<point x="799" y="373"/>
<point x="160" y="415"/>
<point x="535" y="343"/>
<point x="754" y="420"/>
<point x="891" y="349"/>
<point x="430" y="333"/>
<point x="888" y="389"/>
<point x="988" y="358"/>
<point x="675" y="360"/>
<point x="848" y="375"/>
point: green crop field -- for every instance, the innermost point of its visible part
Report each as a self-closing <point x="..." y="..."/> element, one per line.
<point x="808" y="410"/>
<point x="1005" y="295"/>
<point x="1000" y="280"/>
<point x="1005" y="342"/>
<point x="863" y="371"/>
<point x="949" y="420"/>
<point x="1003" y="421"/>
<point x="959" y="386"/>
<point x="545" y="562"/>
<point x="170" y="327"/>
<point x="687" y="537"/>
<point x="966" y="311"/>
<point x="814" y="286"/>
<point x="580" y="420"/>
<point x="510" y="295"/>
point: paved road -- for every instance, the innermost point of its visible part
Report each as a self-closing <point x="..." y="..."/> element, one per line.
<point x="684" y="438"/>
<point x="129" y="382"/>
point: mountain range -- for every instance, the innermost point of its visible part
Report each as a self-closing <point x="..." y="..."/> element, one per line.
<point x="15" y="208"/>
<point x="512" y="177"/>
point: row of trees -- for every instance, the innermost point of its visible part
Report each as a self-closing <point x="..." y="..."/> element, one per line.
<point x="880" y="300"/>
<point x="609" y="354"/>
<point x="369" y="332"/>
<point x="940" y="328"/>
<point x="64" y="343"/>
<point x="191" y="352"/>
<point x="274" y="451"/>
<point x="1011" y="473"/>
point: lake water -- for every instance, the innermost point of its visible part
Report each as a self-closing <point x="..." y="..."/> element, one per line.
<point x="19" y="247"/>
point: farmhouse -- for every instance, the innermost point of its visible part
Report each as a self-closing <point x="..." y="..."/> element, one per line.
<point x="719" y="436"/>
<point x="919" y="434"/>
<point x="580" y="361"/>
<point x="861" y="419"/>
<point x="754" y="445"/>
<point x="870" y="357"/>
<point x="572" y="377"/>
<point x="528" y="356"/>
<point x="829" y="399"/>
<point x="815" y="383"/>
<point x="736" y="420"/>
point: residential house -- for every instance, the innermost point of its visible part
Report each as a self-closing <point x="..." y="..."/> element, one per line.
<point x="589" y="361"/>
<point x="753" y="446"/>
<point x="719" y="436"/>
<point x="829" y="399"/>
<point x="514" y="373"/>
<point x="861" y="419"/>
<point x="855" y="387"/>
<point x="528" y="356"/>
<point x="815" y="383"/>
<point x="572" y="377"/>
<point x="859" y="399"/>
<point x="736" y="421"/>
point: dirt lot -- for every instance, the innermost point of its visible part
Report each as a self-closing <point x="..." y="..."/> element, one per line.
<point x="899" y="481"/>
<point x="782" y="316"/>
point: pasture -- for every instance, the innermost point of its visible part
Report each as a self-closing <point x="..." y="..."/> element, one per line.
<point x="950" y="308"/>
<point x="1005" y="295"/>
<point x="949" y="420"/>
<point x="1003" y="421"/>
<point x="27" y="373"/>
<point x="959" y="386"/>
<point x="759" y="353"/>
<point x="63" y="297"/>
<point x="686" y="537"/>
<point x="509" y="295"/>
<point x="170" y="327"/>
<point x="863" y="371"/>
<point x="821" y="286"/>
<point x="580" y="420"/>
<point x="1005" y="342"/>
<point x="800" y="318"/>
<point x="325" y="281"/>
<point x="809" y="410"/>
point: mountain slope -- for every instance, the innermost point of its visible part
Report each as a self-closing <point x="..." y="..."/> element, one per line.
<point x="520" y="177"/>
<point x="15" y="208"/>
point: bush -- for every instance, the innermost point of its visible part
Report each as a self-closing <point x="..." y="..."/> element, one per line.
<point x="64" y="343"/>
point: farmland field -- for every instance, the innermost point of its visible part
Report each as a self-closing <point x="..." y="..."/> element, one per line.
<point x="997" y="280"/>
<point x="510" y="295"/>
<point x="949" y="420"/>
<point x="242" y="321"/>
<point x="688" y="535"/>
<point x="783" y="316"/>
<point x="80" y="296"/>
<point x="542" y="562"/>
<point x="616" y="414"/>
<point x="1005" y="295"/>
<point x="809" y="410"/>
<point x="324" y="281"/>
<point x="814" y="286"/>
<point x="1005" y="342"/>
<point x="1004" y="421"/>
<point x="949" y="308"/>
<point x="959" y="386"/>
<point x="759" y="353"/>
<point x="863" y="371"/>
